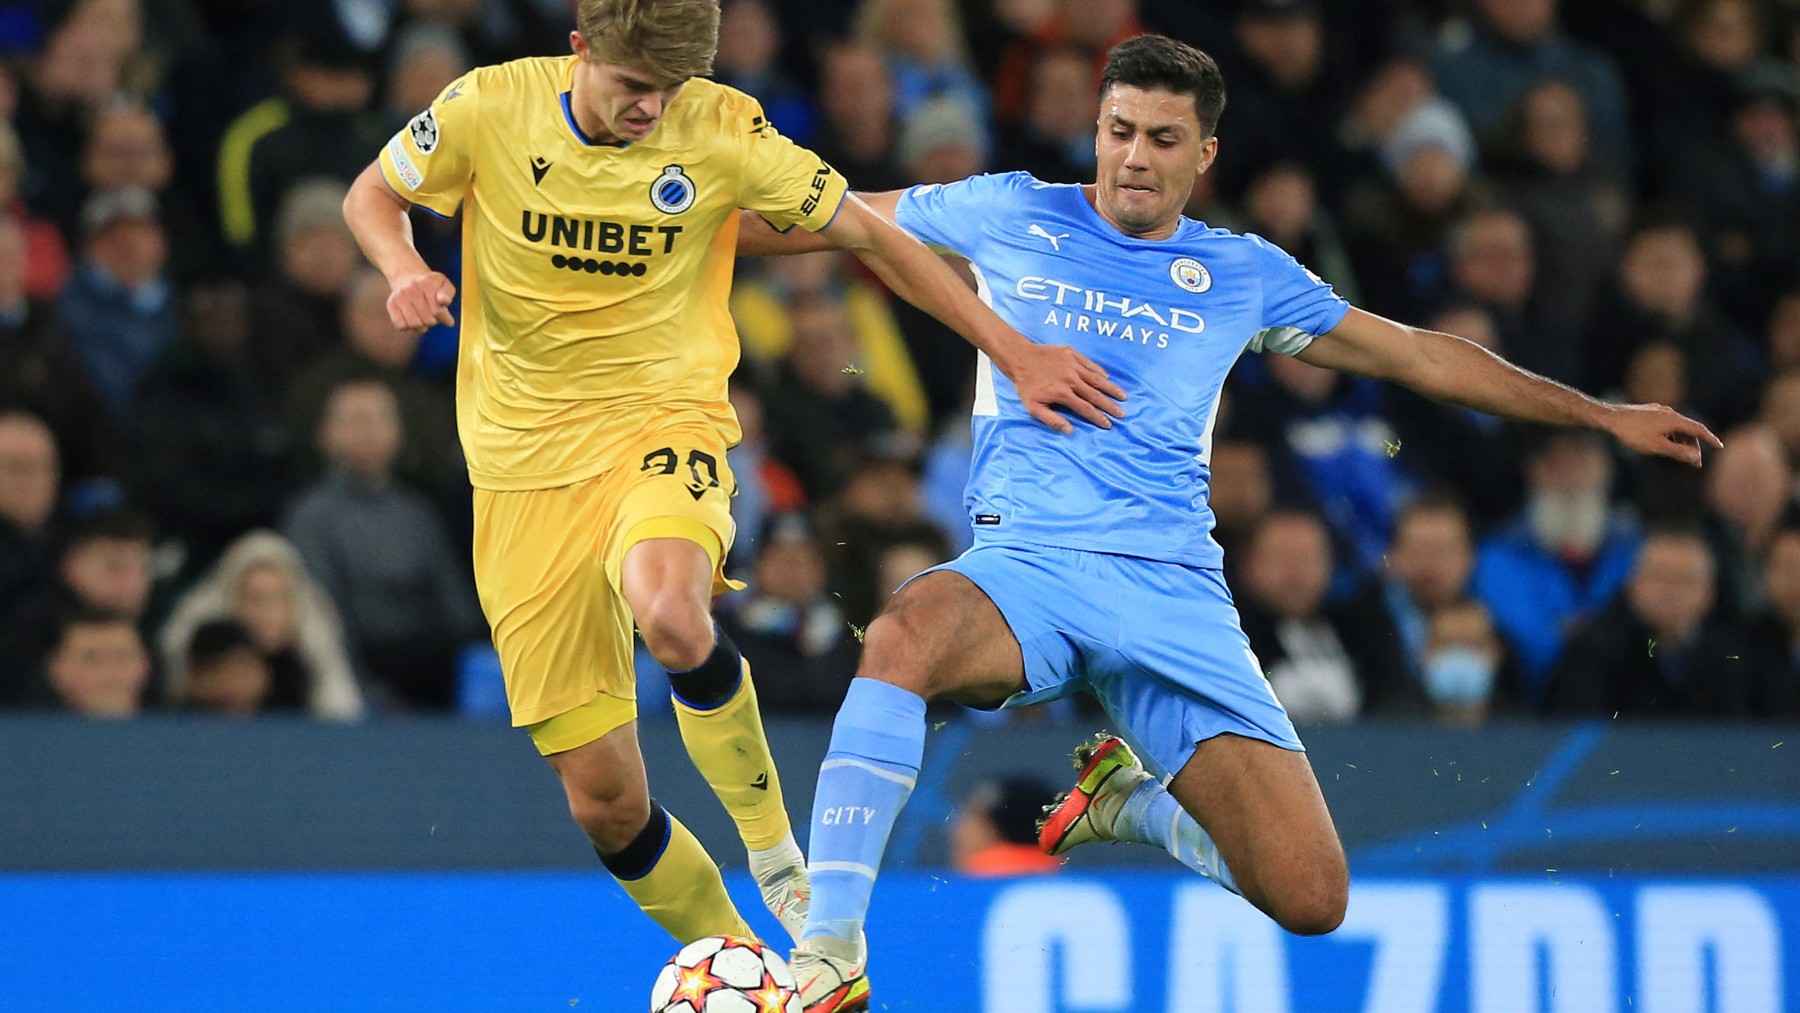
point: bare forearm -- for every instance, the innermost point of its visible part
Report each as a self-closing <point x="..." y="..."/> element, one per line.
<point x="921" y="277"/>
<point x="1458" y="371"/>
<point x="378" y="220"/>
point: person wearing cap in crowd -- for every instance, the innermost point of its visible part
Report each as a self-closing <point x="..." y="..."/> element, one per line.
<point x="995" y="830"/>
<point x="118" y="310"/>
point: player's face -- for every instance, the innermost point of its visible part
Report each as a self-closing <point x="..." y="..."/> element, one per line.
<point x="1150" y="149"/>
<point x="626" y="101"/>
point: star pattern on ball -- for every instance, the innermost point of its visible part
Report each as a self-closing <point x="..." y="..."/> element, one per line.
<point x="771" y="997"/>
<point x="693" y="984"/>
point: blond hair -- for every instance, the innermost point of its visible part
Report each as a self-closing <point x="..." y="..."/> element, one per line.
<point x="674" y="39"/>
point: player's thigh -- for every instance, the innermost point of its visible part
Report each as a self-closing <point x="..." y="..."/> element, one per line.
<point x="562" y="631"/>
<point x="672" y="496"/>
<point x="1262" y="806"/>
<point x="942" y="637"/>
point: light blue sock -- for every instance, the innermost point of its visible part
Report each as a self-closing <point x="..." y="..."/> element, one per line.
<point x="1153" y="816"/>
<point x="877" y="744"/>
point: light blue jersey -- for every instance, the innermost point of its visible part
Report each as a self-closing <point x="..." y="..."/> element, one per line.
<point x="1166" y="319"/>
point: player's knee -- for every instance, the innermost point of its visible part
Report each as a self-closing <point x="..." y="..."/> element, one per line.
<point x="678" y="632"/>
<point x="611" y="822"/>
<point x="1316" y="904"/>
<point x="893" y="652"/>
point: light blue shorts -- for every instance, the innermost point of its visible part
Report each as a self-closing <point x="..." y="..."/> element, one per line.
<point x="1158" y="644"/>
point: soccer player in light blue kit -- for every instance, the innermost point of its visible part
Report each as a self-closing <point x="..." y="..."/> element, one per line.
<point x="1094" y="567"/>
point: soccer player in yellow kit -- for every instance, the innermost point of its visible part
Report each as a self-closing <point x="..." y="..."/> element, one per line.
<point x="600" y="195"/>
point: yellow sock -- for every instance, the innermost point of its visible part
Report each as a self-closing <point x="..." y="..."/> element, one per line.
<point x="683" y="891"/>
<point x="729" y="749"/>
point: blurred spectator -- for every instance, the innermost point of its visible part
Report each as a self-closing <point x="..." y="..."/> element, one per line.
<point x="431" y="458"/>
<point x="321" y="126"/>
<point x="296" y="311"/>
<point x="46" y="255"/>
<point x="126" y="148"/>
<point x="104" y="566"/>
<point x="1384" y="102"/>
<point x="1282" y="206"/>
<point x="227" y="674"/>
<point x="765" y="486"/>
<point x="1326" y="663"/>
<point x="1744" y="187"/>
<point x="1397" y="222"/>
<point x="749" y="60"/>
<point x="39" y="372"/>
<point x="1563" y="560"/>
<point x="212" y="452"/>
<point x="1286" y="96"/>
<point x="794" y="632"/>
<point x="99" y="667"/>
<point x="1429" y="566"/>
<point x="1661" y="296"/>
<point x="29" y="482"/>
<point x="1484" y="63"/>
<point x="382" y="555"/>
<point x="1775" y="633"/>
<point x="994" y="832"/>
<point x="1091" y="27"/>
<point x="1749" y="487"/>
<point x="118" y="309"/>
<point x="1476" y="454"/>
<point x="1575" y="210"/>
<point x="261" y="583"/>
<point x="1493" y="265"/>
<point x="425" y="59"/>
<point x="901" y="561"/>
<point x="937" y="145"/>
<point x="762" y="305"/>
<point x="860" y="128"/>
<point x="1657" y="649"/>
<point x="1326" y="426"/>
<point x="1462" y="663"/>
<point x="923" y="43"/>
<point x="91" y="56"/>
<point x="1240" y="492"/>
<point x="1781" y="412"/>
<point x="879" y="508"/>
<point x="818" y="409"/>
<point x="1055" y="140"/>
<point x="1784" y="332"/>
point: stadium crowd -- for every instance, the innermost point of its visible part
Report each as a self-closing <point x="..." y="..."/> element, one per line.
<point x="227" y="483"/>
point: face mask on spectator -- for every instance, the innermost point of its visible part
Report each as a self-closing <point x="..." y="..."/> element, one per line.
<point x="1567" y="521"/>
<point x="1459" y="676"/>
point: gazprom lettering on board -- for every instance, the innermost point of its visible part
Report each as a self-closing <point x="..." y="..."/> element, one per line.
<point x="1497" y="946"/>
<point x="1144" y="942"/>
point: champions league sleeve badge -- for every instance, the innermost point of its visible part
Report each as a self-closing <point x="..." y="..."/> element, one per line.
<point x="672" y="192"/>
<point x="424" y="130"/>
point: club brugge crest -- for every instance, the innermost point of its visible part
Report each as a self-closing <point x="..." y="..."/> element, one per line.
<point x="1191" y="275"/>
<point x="673" y="191"/>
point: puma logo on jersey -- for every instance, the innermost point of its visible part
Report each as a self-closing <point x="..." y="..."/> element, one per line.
<point x="538" y="168"/>
<point x="1055" y="241"/>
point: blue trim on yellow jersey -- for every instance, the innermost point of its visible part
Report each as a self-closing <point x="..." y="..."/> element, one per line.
<point x="569" y="114"/>
<point x="434" y="214"/>
<point x="845" y="199"/>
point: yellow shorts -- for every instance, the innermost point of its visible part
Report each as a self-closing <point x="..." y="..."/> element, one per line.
<point x="547" y="566"/>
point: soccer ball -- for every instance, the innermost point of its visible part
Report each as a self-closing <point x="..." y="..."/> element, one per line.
<point x="725" y="974"/>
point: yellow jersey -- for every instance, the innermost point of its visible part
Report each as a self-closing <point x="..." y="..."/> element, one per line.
<point x="596" y="277"/>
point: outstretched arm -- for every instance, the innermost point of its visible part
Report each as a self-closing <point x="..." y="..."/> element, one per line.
<point x="1447" y="368"/>
<point x="757" y="238"/>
